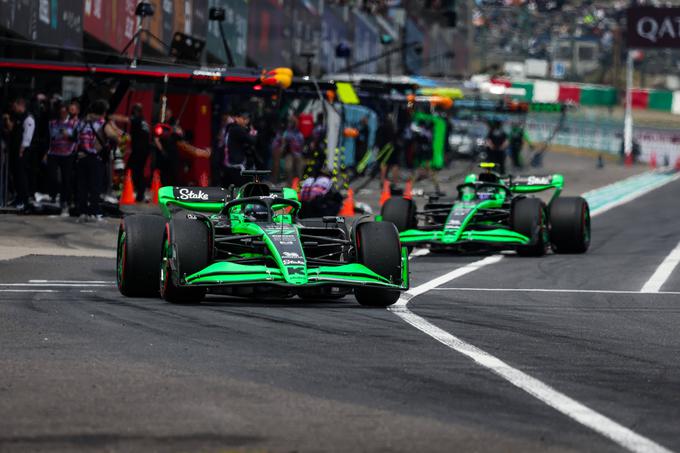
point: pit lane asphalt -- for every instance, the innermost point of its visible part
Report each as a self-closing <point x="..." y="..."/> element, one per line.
<point x="92" y="371"/>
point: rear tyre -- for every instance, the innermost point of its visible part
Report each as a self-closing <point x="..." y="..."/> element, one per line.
<point x="186" y="250"/>
<point x="401" y="212"/>
<point x="528" y="218"/>
<point x="570" y="225"/>
<point x="378" y="248"/>
<point x="138" y="255"/>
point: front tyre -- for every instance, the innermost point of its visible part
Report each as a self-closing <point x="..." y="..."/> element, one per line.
<point x="138" y="254"/>
<point x="186" y="250"/>
<point x="570" y="225"/>
<point x="378" y="248"/>
<point x="529" y="219"/>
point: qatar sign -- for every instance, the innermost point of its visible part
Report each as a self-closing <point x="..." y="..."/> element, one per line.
<point x="650" y="27"/>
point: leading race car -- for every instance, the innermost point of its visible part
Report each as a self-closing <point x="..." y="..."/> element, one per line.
<point x="249" y="242"/>
<point x="495" y="212"/>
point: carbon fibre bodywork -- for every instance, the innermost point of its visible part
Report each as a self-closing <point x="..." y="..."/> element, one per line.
<point x="257" y="241"/>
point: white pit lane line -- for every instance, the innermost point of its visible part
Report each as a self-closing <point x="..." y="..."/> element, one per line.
<point x="663" y="272"/>
<point x="28" y="291"/>
<point x="543" y="392"/>
<point x="582" y="414"/>
<point x="566" y="291"/>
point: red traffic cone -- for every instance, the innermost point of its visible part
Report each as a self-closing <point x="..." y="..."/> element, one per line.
<point x="128" y="195"/>
<point x="386" y="193"/>
<point x="347" y="209"/>
<point x="628" y="160"/>
<point x="155" y="186"/>
<point x="408" y="190"/>
<point x="652" y="161"/>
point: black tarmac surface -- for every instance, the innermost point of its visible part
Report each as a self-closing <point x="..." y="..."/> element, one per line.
<point x="84" y="369"/>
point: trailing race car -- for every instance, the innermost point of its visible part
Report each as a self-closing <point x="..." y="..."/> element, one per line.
<point x="495" y="212"/>
<point x="249" y="242"/>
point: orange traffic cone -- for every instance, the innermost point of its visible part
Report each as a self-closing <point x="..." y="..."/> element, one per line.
<point x="652" y="161"/>
<point x="408" y="191"/>
<point x="347" y="209"/>
<point x="296" y="184"/>
<point x="155" y="185"/>
<point x="128" y="195"/>
<point x="386" y="193"/>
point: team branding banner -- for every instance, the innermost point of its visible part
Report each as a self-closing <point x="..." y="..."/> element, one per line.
<point x="112" y="22"/>
<point x="54" y="22"/>
<point x="650" y="27"/>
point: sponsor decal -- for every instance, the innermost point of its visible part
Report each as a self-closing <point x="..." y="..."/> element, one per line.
<point x="650" y="27"/>
<point x="278" y="231"/>
<point x="205" y="73"/>
<point x="458" y="214"/>
<point x="290" y="255"/>
<point x="188" y="194"/>
<point x="293" y="262"/>
<point x="533" y="180"/>
<point x="282" y="237"/>
<point x="296" y="271"/>
<point x="209" y="194"/>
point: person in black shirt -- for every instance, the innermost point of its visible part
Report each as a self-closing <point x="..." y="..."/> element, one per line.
<point x="390" y="156"/>
<point x="362" y="140"/>
<point x="517" y="139"/>
<point x="239" y="151"/>
<point x="167" y="158"/>
<point x="496" y="144"/>
<point x="20" y="127"/>
<point x="140" y="134"/>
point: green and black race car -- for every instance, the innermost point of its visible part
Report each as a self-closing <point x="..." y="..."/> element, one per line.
<point x="249" y="242"/>
<point x="495" y="212"/>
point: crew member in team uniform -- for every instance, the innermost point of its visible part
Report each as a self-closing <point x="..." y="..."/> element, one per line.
<point x="93" y="136"/>
<point x="60" y="156"/>
<point x="140" y="134"/>
<point x="19" y="127"/>
<point x="497" y="144"/>
<point x="239" y="150"/>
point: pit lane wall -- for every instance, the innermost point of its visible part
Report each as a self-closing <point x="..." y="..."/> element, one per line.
<point x="606" y="136"/>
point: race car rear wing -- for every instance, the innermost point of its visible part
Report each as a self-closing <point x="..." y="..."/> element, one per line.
<point x="208" y="199"/>
<point x="533" y="183"/>
<point x="200" y="199"/>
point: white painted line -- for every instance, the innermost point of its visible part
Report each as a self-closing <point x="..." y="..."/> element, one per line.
<point x="28" y="291"/>
<point x="634" y="195"/>
<point x="456" y="273"/>
<point x="662" y="272"/>
<point x="559" y="401"/>
<point x="56" y="285"/>
<point x="74" y="281"/>
<point x="577" y="291"/>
